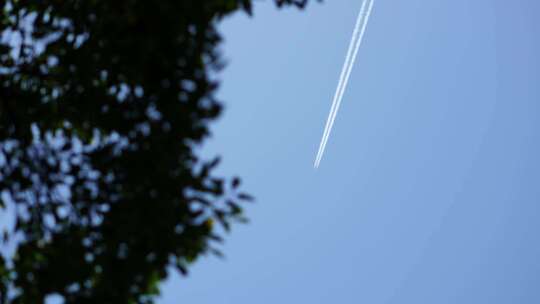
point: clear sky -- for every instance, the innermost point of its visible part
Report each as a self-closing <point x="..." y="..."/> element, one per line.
<point x="429" y="191"/>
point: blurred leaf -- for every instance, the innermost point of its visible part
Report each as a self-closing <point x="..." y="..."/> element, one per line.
<point x="236" y="182"/>
<point x="246" y="197"/>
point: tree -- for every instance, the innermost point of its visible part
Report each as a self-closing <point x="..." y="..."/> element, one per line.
<point x="102" y="104"/>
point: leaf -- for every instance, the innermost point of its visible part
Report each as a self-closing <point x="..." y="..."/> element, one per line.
<point x="236" y="182"/>
<point x="235" y="208"/>
<point x="246" y="197"/>
<point x="214" y="162"/>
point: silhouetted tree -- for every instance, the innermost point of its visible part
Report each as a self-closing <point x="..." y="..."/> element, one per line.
<point x="102" y="103"/>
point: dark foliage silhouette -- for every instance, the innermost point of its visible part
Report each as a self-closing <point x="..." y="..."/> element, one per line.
<point x="102" y="104"/>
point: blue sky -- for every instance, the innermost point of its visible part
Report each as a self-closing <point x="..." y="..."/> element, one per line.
<point x="429" y="189"/>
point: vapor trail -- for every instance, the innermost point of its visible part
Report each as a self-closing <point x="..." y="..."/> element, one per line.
<point x="350" y="52"/>
<point x="346" y="73"/>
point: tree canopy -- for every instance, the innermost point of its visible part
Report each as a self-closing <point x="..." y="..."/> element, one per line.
<point x="102" y="106"/>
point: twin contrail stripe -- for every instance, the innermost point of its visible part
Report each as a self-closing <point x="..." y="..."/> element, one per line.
<point x="356" y="42"/>
<point x="342" y="77"/>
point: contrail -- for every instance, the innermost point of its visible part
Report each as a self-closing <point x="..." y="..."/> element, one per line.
<point x="356" y="42"/>
<point x="350" y="52"/>
<point x="346" y="81"/>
